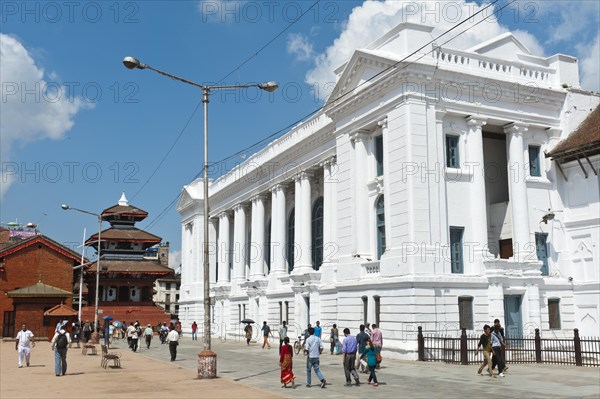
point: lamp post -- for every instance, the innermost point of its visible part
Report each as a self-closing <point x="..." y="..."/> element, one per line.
<point x="133" y="63"/>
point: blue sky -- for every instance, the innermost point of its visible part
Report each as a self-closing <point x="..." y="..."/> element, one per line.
<point x="79" y="128"/>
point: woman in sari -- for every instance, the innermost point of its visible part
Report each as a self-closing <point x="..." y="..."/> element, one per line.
<point x="285" y="361"/>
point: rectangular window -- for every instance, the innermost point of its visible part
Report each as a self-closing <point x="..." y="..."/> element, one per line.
<point x="168" y="287"/>
<point x="365" y="302"/>
<point x="534" y="160"/>
<point x="168" y="299"/>
<point x="379" y="155"/>
<point x="465" y="312"/>
<point x="244" y="311"/>
<point x="239" y="312"/>
<point x="554" y="313"/>
<point x="280" y="312"/>
<point x="541" y="248"/>
<point x="452" y="159"/>
<point x="377" y="300"/>
<point x="456" y="249"/>
<point x="287" y="311"/>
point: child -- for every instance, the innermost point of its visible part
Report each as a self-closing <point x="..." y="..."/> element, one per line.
<point x="371" y="354"/>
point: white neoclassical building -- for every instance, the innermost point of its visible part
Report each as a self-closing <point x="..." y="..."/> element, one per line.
<point x="423" y="194"/>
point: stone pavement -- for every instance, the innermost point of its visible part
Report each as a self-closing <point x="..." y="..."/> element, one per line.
<point x="251" y="372"/>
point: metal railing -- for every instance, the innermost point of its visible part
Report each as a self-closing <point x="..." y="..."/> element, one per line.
<point x="576" y="351"/>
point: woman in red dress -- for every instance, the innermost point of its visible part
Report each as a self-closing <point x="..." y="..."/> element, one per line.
<point x="285" y="361"/>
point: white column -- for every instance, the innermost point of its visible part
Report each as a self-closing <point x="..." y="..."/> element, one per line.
<point x="303" y="223"/>
<point x="518" y="190"/>
<point x="329" y="210"/>
<point x="257" y="250"/>
<point x="239" y="243"/>
<point x="278" y="230"/>
<point x="479" y="222"/>
<point x="212" y="249"/>
<point x="223" y="251"/>
<point x="361" y="195"/>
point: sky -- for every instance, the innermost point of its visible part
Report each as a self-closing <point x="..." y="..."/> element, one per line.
<point x="78" y="128"/>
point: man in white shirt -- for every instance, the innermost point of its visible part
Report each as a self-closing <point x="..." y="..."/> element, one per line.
<point x="173" y="340"/>
<point x="314" y="347"/>
<point x="23" y="345"/>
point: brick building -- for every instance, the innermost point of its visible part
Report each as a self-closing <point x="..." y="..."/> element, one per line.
<point x="36" y="274"/>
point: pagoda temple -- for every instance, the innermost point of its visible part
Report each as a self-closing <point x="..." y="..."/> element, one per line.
<point x="131" y="260"/>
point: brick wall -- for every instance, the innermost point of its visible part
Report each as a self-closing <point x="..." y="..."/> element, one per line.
<point x="36" y="262"/>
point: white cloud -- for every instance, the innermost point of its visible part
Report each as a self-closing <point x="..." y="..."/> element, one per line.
<point x="588" y="64"/>
<point x="37" y="115"/>
<point x="174" y="259"/>
<point x="372" y="19"/>
<point x="564" y="20"/>
<point x="300" y="47"/>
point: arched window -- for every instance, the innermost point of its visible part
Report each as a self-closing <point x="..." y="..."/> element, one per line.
<point x="290" y="240"/>
<point x="317" y="234"/>
<point x="380" y="212"/>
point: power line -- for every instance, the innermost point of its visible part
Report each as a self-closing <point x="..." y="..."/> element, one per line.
<point x="270" y="41"/>
<point x="393" y="66"/>
<point x="255" y="54"/>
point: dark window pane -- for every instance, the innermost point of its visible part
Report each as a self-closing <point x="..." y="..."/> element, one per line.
<point x="534" y="161"/>
<point x="456" y="250"/>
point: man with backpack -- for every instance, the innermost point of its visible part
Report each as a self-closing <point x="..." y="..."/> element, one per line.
<point x="60" y="344"/>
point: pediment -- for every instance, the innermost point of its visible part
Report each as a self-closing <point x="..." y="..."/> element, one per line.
<point x="357" y="73"/>
<point x="188" y="197"/>
<point x="505" y="46"/>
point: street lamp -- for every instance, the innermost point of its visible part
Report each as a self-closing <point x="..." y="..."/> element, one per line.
<point x="134" y="63"/>
<point x="66" y="207"/>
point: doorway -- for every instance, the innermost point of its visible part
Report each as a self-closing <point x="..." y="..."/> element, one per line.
<point x="512" y="316"/>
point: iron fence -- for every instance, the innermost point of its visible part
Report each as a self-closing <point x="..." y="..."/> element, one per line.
<point x="577" y="351"/>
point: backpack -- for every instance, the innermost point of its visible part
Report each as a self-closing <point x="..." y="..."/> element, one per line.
<point x="61" y="341"/>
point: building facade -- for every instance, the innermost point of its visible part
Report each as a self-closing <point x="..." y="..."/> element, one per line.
<point x="36" y="274"/>
<point x="416" y="197"/>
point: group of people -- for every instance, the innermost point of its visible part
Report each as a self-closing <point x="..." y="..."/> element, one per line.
<point x="361" y="351"/>
<point x="492" y="343"/>
<point x="62" y="339"/>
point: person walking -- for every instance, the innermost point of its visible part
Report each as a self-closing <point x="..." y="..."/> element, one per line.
<point x="334" y="337"/>
<point x="60" y="345"/>
<point x="76" y="333"/>
<point x="314" y="347"/>
<point x="148" y="333"/>
<point x="485" y="344"/>
<point x="87" y="331"/>
<point x="497" y="359"/>
<point x="371" y="355"/>
<point x="25" y="341"/>
<point x="248" y="333"/>
<point x="106" y="333"/>
<point x="499" y="329"/>
<point x="135" y="336"/>
<point x="286" y="353"/>
<point x="377" y="338"/>
<point x="349" y="349"/>
<point x="173" y="340"/>
<point x="194" y="331"/>
<point x="361" y="339"/>
<point x="282" y="334"/>
<point x="318" y="329"/>
<point x="266" y="330"/>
